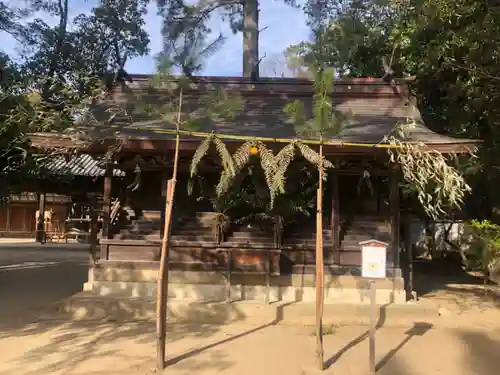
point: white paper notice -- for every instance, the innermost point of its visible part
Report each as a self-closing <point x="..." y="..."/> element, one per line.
<point x="373" y="262"/>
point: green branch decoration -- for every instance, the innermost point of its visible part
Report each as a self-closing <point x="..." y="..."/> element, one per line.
<point x="273" y="166"/>
<point x="325" y="121"/>
<point x="437" y="184"/>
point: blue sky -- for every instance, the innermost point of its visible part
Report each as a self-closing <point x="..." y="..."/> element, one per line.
<point x="285" y="26"/>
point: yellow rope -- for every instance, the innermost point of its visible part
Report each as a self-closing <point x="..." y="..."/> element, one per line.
<point x="267" y="139"/>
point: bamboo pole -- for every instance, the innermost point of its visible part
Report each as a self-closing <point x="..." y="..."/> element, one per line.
<point x="267" y="139"/>
<point x="319" y="267"/>
<point x="162" y="283"/>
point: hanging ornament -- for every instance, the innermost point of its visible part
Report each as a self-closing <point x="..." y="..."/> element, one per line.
<point x="366" y="178"/>
<point x="137" y="179"/>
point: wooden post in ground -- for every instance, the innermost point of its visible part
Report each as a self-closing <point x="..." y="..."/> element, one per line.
<point x="162" y="283"/>
<point x="319" y="267"/>
<point x="40" y="223"/>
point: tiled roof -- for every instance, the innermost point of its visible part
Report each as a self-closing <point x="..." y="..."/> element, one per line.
<point x="371" y="107"/>
<point x="78" y="165"/>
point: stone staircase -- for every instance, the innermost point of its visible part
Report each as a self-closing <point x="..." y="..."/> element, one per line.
<point x="305" y="237"/>
<point x="362" y="229"/>
<point x="249" y="235"/>
<point x="148" y="226"/>
<point x="199" y="230"/>
<point x="195" y="230"/>
<point x="191" y="230"/>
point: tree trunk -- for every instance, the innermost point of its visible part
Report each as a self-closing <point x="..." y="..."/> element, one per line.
<point x="251" y="38"/>
<point x="62" y="12"/>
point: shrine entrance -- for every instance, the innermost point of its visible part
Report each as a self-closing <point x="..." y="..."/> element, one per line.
<point x="363" y="195"/>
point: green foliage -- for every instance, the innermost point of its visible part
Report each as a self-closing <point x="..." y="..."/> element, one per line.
<point x="188" y="48"/>
<point x="57" y="80"/>
<point x="438" y="186"/>
<point x="165" y="97"/>
<point x="449" y="46"/>
<point x="247" y="201"/>
<point x="325" y="120"/>
<point x="483" y="252"/>
<point x="274" y="167"/>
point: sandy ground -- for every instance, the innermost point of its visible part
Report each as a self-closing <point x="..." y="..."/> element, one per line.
<point x="32" y="280"/>
<point x="77" y="349"/>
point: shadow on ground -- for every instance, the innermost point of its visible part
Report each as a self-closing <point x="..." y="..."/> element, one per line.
<point x="52" y="347"/>
<point x="435" y="280"/>
<point x="31" y="290"/>
<point x="483" y="349"/>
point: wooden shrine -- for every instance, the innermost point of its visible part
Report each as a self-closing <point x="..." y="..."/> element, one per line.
<point x="250" y="262"/>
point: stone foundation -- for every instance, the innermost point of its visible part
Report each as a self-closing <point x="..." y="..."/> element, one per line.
<point x="203" y="286"/>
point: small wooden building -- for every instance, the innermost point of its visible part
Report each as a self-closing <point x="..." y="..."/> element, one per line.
<point x="64" y="183"/>
<point x="251" y="262"/>
<point x="18" y="214"/>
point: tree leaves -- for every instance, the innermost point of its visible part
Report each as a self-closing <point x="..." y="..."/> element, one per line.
<point x="273" y="166"/>
<point x="438" y="186"/>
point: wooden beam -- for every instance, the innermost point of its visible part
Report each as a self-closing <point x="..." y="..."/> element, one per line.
<point x="161" y="144"/>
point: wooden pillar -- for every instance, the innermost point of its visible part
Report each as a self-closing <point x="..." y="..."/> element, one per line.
<point x="335" y="219"/>
<point x="106" y="208"/>
<point x="394" y="214"/>
<point x="409" y="252"/>
<point x="93" y="232"/>
<point x="40" y="223"/>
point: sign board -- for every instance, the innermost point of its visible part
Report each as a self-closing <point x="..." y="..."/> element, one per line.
<point x="374" y="258"/>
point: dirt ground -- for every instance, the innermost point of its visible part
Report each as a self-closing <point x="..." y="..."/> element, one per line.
<point x="78" y="349"/>
<point x="469" y="345"/>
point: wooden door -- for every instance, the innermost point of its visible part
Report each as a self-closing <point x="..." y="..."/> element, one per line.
<point x="4" y="217"/>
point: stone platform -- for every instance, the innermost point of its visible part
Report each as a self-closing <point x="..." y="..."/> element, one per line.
<point x="203" y="286"/>
<point x="87" y="306"/>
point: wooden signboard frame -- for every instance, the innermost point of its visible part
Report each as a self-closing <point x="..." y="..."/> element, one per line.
<point x="374" y="266"/>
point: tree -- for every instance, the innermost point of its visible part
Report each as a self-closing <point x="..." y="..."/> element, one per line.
<point x="450" y="49"/>
<point x="243" y="15"/>
<point x="289" y="63"/>
<point x="188" y="49"/>
<point x="60" y="72"/>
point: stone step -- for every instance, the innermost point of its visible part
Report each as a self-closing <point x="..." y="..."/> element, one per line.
<point x="134" y="236"/>
<point x="258" y="244"/>
<point x="88" y="306"/>
<point x="193" y="237"/>
<point x="206" y="214"/>
<point x="140" y="231"/>
<point x="299" y="241"/>
<point x="194" y="225"/>
<point x="307" y="234"/>
<point x="251" y="235"/>
<point x="154" y="215"/>
<point x="368" y="226"/>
